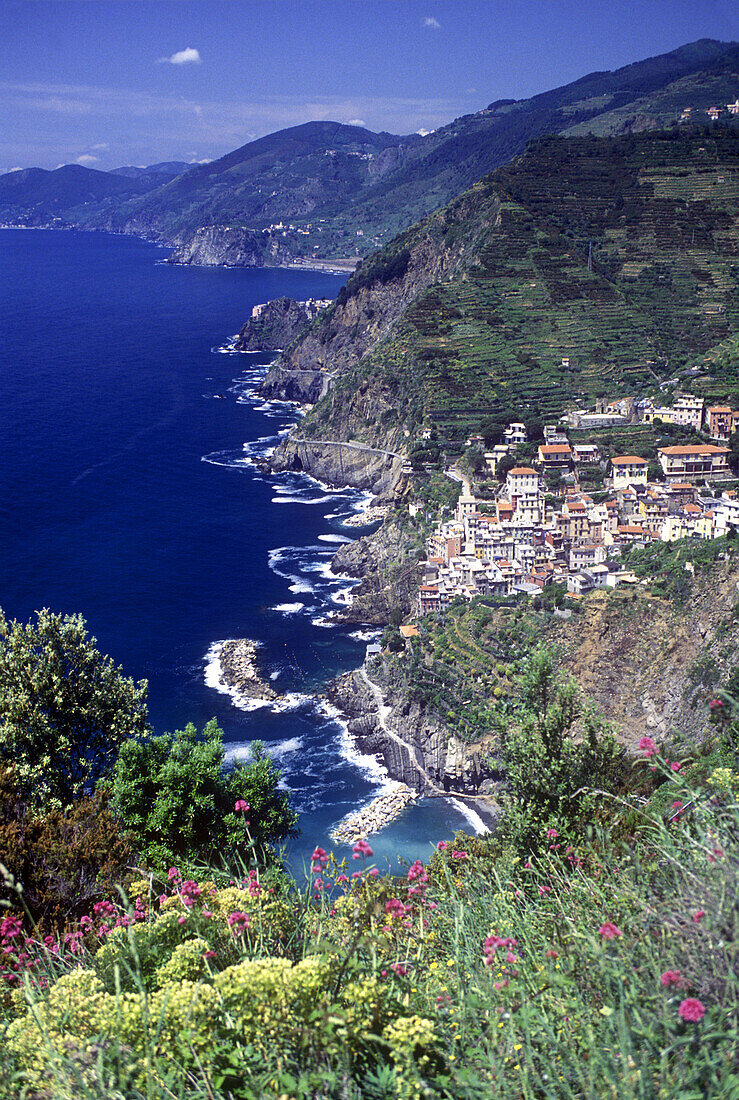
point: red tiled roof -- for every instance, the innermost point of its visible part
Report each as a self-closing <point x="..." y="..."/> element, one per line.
<point x="556" y="449"/>
<point x="702" y="449"/>
<point x="523" y="470"/>
<point x="628" y="460"/>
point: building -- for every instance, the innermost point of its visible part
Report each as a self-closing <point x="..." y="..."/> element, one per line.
<point x="585" y="453"/>
<point x="628" y="470"/>
<point x="555" y="457"/>
<point x="719" y="421"/>
<point x="689" y="463"/>
<point x="515" y="433"/>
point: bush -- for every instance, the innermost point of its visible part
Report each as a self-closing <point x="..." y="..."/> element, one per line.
<point x="62" y="861"/>
<point x="172" y="792"/>
<point x="65" y="709"/>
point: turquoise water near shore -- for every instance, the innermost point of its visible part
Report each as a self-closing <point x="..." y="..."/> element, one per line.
<point x="128" y="493"/>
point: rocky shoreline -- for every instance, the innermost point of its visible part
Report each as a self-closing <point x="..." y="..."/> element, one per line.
<point x="367" y="516"/>
<point x="239" y="670"/>
<point x="370" y="819"/>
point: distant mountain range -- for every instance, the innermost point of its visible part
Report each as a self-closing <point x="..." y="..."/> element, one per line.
<point x="326" y="190"/>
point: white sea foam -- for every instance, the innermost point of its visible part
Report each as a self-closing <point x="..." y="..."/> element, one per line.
<point x="300" y="500"/>
<point x="370" y="766"/>
<point x="365" y="635"/>
<point x="334" y="538"/>
<point x="289" y="608"/>
<point x="343" y="596"/>
<point x="471" y="815"/>
<point x="324" y="621"/>
<point x="213" y="676"/>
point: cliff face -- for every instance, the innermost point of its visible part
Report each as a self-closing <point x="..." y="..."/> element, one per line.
<point x="650" y="667"/>
<point x="278" y="323"/>
<point x="412" y="744"/>
<point x="343" y="463"/>
<point x="223" y="246"/>
<point x="387" y="564"/>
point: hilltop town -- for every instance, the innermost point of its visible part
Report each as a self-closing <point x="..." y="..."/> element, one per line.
<point x="566" y="518"/>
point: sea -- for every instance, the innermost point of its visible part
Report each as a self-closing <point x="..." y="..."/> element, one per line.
<point x="129" y="493"/>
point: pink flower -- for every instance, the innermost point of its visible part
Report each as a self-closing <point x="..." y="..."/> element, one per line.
<point x="443" y="845"/>
<point x="675" y="766"/>
<point x="459" y="855"/>
<point x="241" y="807"/>
<point x="238" y="922"/>
<point x="209" y="955"/>
<point x="647" y="746"/>
<point x="361" y="850"/>
<point x="609" y="931"/>
<point x="399" y="969"/>
<point x="10" y="927"/>
<point x="698" y="915"/>
<point x="552" y="954"/>
<point x="552" y="834"/>
<point x="173" y="874"/>
<point x="181" y="920"/>
<point x="692" y="1010"/>
<point x="103" y="909"/>
<point x="716" y="704"/>
<point x="670" y="977"/>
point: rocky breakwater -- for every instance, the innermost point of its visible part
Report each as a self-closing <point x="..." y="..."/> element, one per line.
<point x="239" y="671"/>
<point x="412" y="743"/>
<point x="340" y="462"/>
<point x="373" y="817"/>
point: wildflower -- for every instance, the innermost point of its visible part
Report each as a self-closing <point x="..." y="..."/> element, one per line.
<point x="180" y="920"/>
<point x="692" y="1010"/>
<point x="609" y="931"/>
<point x="10" y="927"/>
<point x="173" y="874"/>
<point x="241" y="807"/>
<point x="670" y="977"/>
<point x="361" y="849"/>
<point x="647" y="746"/>
<point x="500" y="985"/>
<point x="238" y="922"/>
<point x="373" y="872"/>
<point x="675" y="766"/>
<point x="443" y="845"/>
<point x="698" y="915"/>
<point x="209" y="955"/>
<point x="399" y="969"/>
<point x="459" y="855"/>
<point x="552" y="954"/>
<point x="544" y="890"/>
<point x="319" y="860"/>
<point x="206" y="913"/>
<point x="552" y="834"/>
<point x="103" y="909"/>
<point x="342" y="878"/>
<point x="190" y="890"/>
<point x="715" y="704"/>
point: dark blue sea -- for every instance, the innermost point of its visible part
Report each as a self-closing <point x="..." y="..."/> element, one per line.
<point x="128" y="493"/>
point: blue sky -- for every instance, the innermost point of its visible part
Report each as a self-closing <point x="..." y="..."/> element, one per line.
<point x="112" y="82"/>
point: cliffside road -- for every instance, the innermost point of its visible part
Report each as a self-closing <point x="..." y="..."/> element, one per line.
<point x="351" y="446"/>
<point x="413" y="754"/>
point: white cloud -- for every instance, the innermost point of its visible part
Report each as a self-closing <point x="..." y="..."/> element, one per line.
<point x="101" y="146"/>
<point x="205" y="160"/>
<point x="431" y="23"/>
<point x="356" y="122"/>
<point x="87" y="158"/>
<point x="188" y="56"/>
<point x="424" y="133"/>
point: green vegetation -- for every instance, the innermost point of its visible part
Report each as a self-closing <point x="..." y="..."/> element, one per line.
<point x="520" y="325"/>
<point x="670" y="565"/>
<point x="65" y="710"/>
<point x="172" y="793"/>
<point x="590" y="953"/>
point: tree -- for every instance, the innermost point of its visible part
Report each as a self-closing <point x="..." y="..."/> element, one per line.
<point x="65" y="709"/>
<point x="173" y="794"/>
<point x="549" y="768"/>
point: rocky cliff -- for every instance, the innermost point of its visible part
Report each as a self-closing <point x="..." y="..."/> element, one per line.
<point x="387" y="563"/>
<point x="412" y="743"/>
<point x="343" y="463"/>
<point x="274" y="325"/>
<point x="227" y="246"/>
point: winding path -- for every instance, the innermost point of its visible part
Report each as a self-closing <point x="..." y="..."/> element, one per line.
<point x="383" y="710"/>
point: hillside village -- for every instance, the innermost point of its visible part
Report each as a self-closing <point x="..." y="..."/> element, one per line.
<point x="530" y="536"/>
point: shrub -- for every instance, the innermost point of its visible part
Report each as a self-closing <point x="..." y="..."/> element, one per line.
<point x="173" y="793"/>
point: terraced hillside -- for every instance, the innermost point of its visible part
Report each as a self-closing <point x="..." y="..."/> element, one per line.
<point x="589" y="267"/>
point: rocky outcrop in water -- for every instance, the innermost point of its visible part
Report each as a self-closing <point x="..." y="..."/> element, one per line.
<point x="239" y="669"/>
<point x="343" y="463"/>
